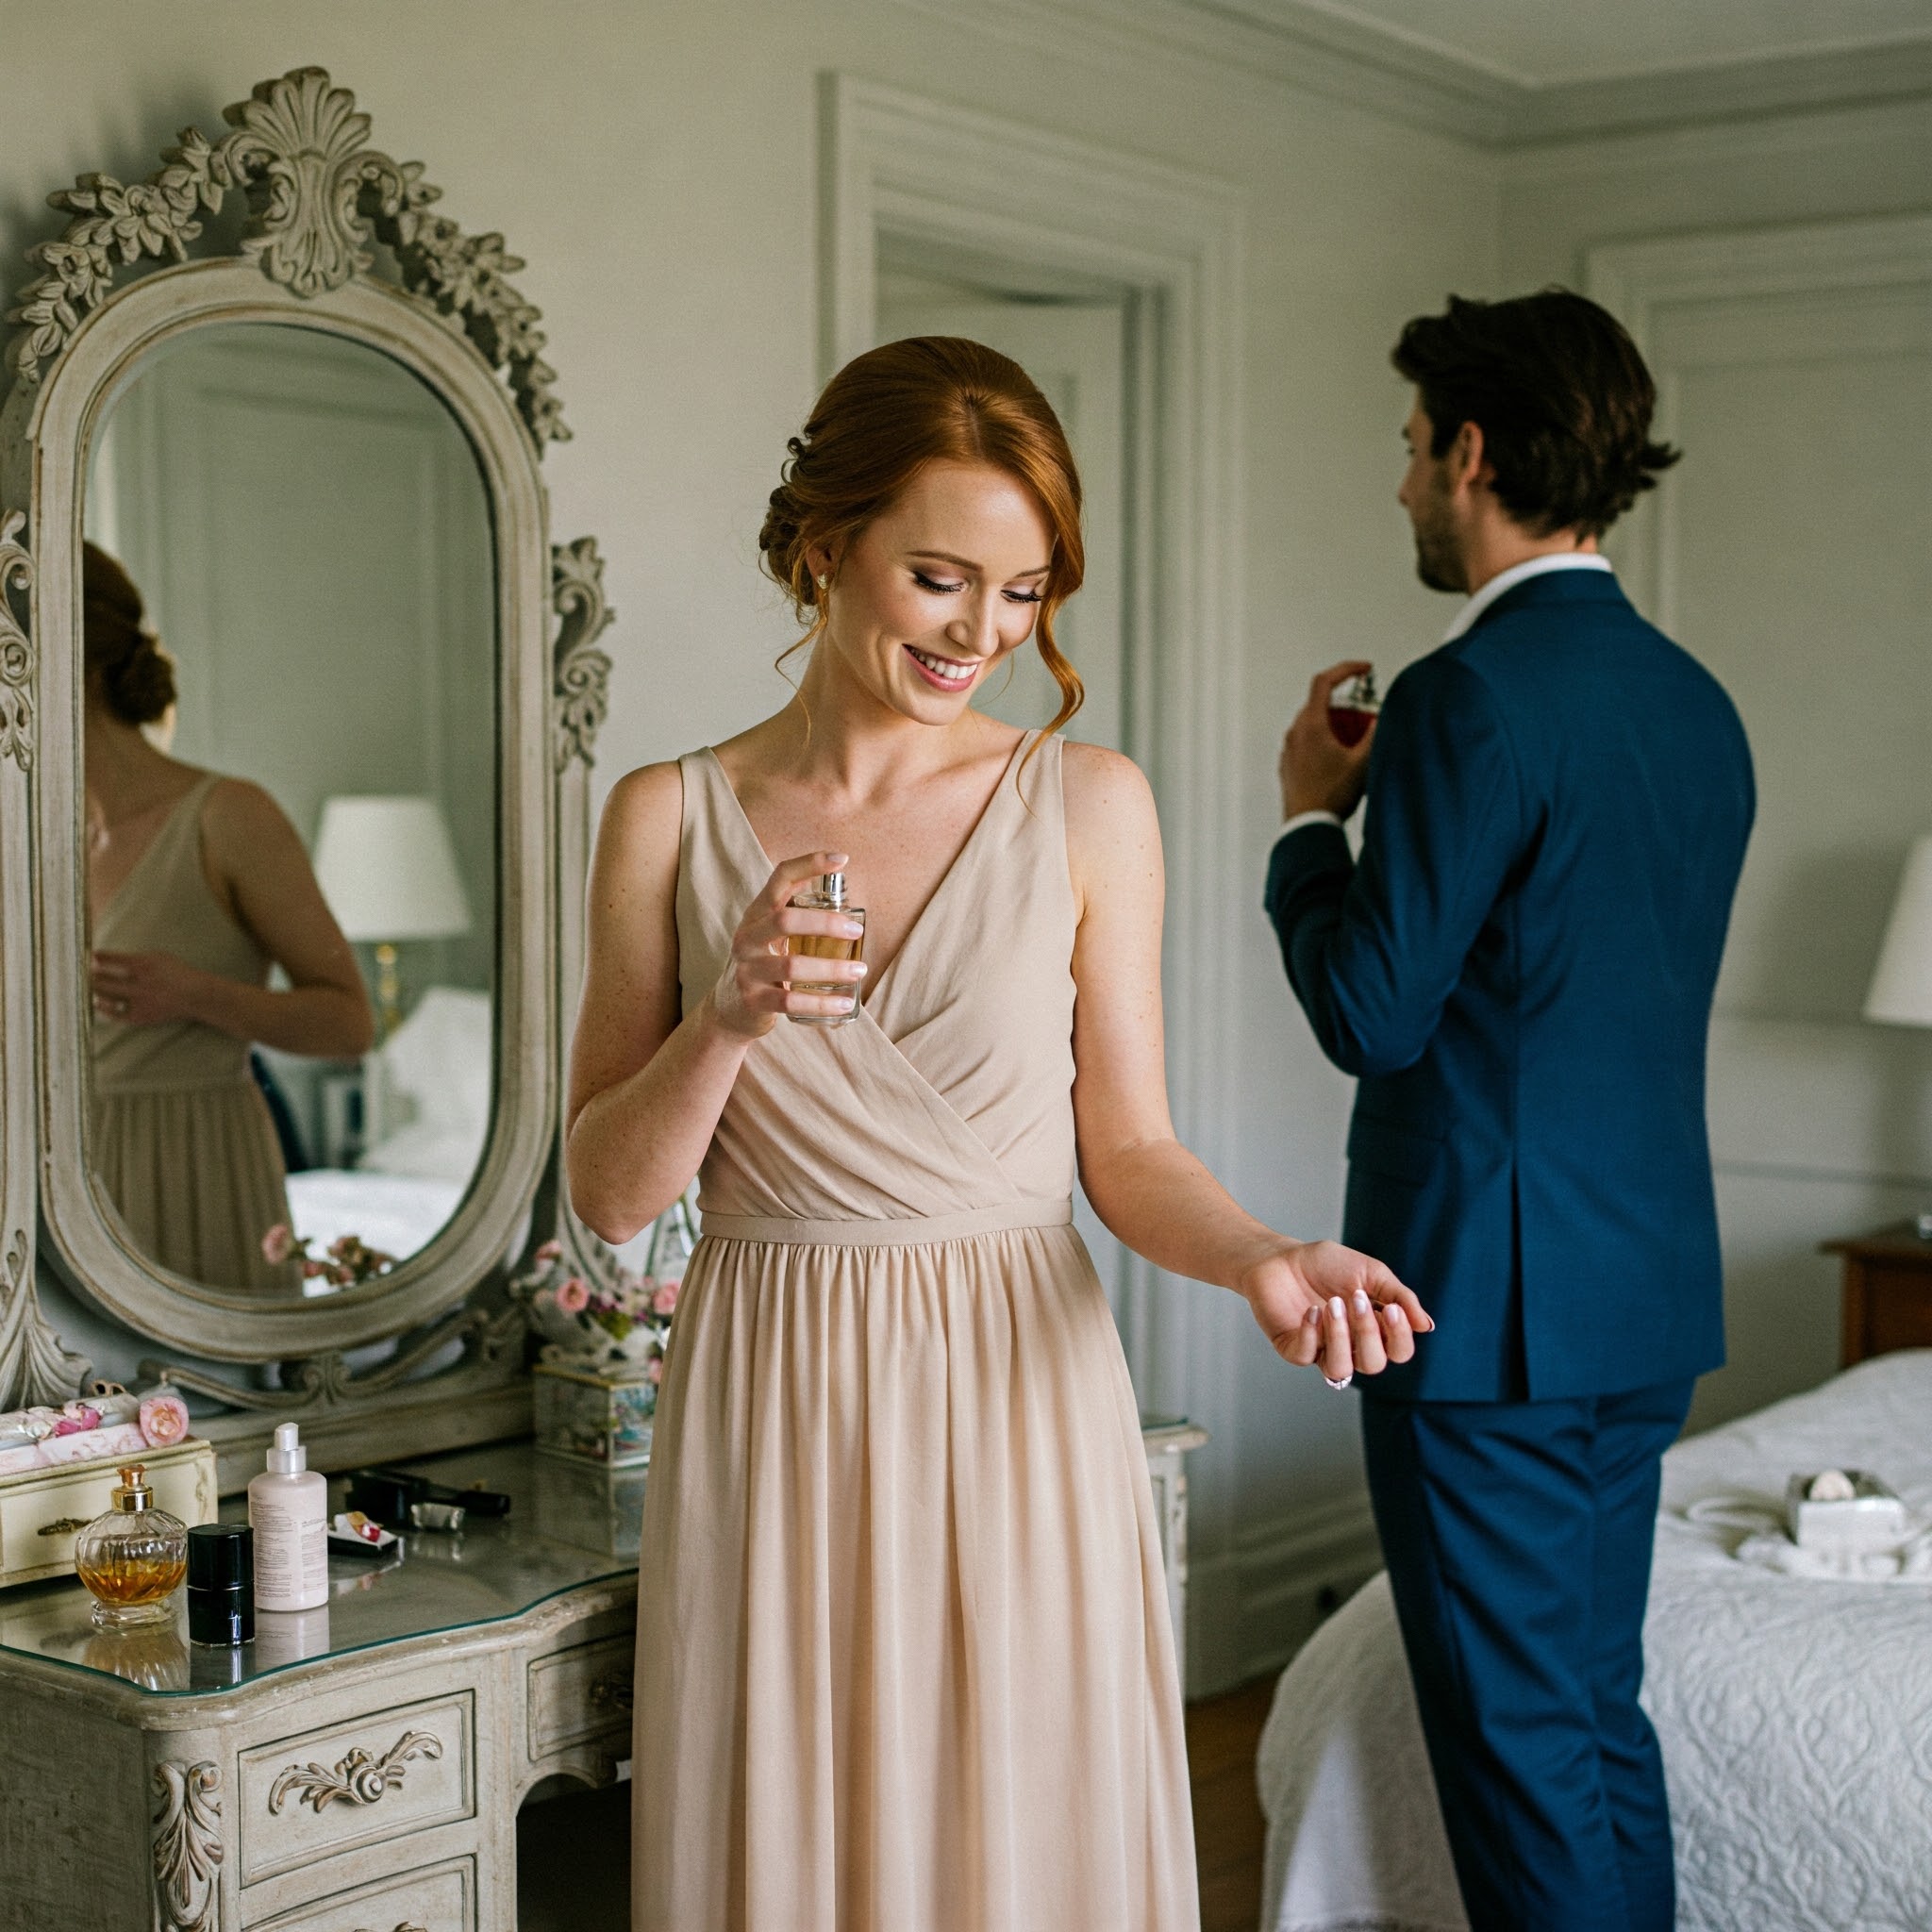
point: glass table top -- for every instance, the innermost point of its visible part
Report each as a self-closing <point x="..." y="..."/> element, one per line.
<point x="569" y="1524"/>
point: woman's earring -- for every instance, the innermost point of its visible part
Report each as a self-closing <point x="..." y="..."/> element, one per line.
<point x="822" y="580"/>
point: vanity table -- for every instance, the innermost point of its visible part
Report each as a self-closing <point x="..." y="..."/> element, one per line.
<point x="359" y="1768"/>
<point x="355" y="1768"/>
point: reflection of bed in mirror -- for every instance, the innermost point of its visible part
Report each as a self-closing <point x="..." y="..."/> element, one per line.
<point x="1793" y="1713"/>
<point x="427" y="1111"/>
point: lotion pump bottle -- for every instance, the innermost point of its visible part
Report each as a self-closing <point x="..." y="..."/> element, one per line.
<point x="287" y="1510"/>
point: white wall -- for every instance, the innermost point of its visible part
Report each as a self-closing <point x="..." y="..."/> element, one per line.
<point x="656" y="165"/>
<point x="1822" y="1125"/>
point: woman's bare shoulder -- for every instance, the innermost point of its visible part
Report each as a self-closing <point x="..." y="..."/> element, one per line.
<point x="1099" y="783"/>
<point x="644" y="811"/>
<point x="240" y="810"/>
<point x="1111" y="817"/>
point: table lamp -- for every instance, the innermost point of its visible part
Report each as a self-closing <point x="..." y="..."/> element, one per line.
<point x="388" y="869"/>
<point x="1901" y="991"/>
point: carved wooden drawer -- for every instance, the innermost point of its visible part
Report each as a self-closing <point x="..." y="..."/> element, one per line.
<point x="579" y="1694"/>
<point x="324" y="1791"/>
<point x="442" y="1898"/>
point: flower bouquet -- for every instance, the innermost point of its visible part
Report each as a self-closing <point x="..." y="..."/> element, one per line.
<point x="619" y="1326"/>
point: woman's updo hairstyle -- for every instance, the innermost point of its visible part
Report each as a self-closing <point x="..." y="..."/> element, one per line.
<point x="137" y="676"/>
<point x="888" y="413"/>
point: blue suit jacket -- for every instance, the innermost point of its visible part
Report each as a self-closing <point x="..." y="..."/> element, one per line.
<point x="1520" y="970"/>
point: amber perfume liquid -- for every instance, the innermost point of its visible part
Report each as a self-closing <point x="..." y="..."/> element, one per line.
<point x="133" y="1558"/>
<point x="827" y="894"/>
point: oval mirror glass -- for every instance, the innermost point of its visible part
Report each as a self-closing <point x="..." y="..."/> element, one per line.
<point x="290" y="762"/>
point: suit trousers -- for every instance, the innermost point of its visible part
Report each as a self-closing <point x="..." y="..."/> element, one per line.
<point x="1518" y="1538"/>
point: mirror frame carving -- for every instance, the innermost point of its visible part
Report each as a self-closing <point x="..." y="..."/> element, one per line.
<point x="319" y="201"/>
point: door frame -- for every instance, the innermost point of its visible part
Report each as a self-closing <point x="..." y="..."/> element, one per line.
<point x="897" y="164"/>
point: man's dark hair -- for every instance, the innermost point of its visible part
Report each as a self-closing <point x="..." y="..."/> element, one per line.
<point x="1560" y="394"/>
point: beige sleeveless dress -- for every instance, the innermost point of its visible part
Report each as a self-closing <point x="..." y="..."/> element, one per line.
<point x="183" y="1142"/>
<point x="903" y="1661"/>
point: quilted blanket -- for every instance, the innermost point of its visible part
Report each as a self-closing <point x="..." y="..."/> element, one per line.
<point x="1795" y="1714"/>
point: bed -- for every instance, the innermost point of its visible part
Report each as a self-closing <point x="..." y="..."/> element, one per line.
<point x="1795" y="1714"/>
<point x="427" y="1091"/>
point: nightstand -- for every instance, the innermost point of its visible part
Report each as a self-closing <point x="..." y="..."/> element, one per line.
<point x="1887" y="1291"/>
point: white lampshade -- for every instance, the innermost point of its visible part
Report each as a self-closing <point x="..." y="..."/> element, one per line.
<point x="389" y="870"/>
<point x="1902" y="986"/>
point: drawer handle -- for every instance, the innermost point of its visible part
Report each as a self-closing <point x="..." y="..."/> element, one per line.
<point x="63" y="1526"/>
<point x="611" y="1691"/>
<point x="359" y="1778"/>
<point x="399" y="1928"/>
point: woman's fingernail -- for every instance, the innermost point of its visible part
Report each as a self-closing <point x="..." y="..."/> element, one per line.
<point x="1395" y="1313"/>
<point x="1310" y="1317"/>
<point x="1336" y="1309"/>
<point x="1362" y="1300"/>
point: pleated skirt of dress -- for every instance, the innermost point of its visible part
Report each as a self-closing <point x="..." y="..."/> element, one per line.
<point x="903" y="1659"/>
<point x="196" y="1174"/>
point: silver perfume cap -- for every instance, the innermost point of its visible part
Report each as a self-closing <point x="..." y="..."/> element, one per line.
<point x="287" y="1457"/>
<point x="832" y="884"/>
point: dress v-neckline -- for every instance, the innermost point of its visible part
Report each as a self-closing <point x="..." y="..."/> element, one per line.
<point x="875" y="981"/>
<point x="99" y="919"/>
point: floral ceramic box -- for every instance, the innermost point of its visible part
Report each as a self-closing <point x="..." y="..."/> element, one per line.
<point x="596" y="1415"/>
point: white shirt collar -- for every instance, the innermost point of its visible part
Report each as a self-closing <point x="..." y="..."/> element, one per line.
<point x="1521" y="574"/>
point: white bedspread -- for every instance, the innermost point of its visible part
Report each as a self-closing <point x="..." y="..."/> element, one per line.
<point x="1795" y="1715"/>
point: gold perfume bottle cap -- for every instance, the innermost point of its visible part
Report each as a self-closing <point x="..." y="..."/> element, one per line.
<point x="134" y="1495"/>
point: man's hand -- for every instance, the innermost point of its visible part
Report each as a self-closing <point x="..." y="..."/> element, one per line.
<point x="1318" y="772"/>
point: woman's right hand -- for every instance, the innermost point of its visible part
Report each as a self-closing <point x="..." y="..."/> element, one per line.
<point x="752" y="993"/>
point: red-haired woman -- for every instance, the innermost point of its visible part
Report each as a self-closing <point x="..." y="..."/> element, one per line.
<point x="903" y="1661"/>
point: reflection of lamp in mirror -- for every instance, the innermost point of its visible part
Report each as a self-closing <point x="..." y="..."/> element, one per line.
<point x="389" y="871"/>
<point x="1901" y="991"/>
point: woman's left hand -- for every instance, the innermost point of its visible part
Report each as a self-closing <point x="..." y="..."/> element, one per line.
<point x="142" y="988"/>
<point x="1323" y="1305"/>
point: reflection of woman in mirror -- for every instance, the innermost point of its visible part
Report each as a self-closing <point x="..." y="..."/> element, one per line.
<point x="903" y="1652"/>
<point x="197" y="885"/>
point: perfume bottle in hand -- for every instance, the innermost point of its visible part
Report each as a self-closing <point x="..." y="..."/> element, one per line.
<point x="1353" y="706"/>
<point x="132" y="1558"/>
<point x="827" y="894"/>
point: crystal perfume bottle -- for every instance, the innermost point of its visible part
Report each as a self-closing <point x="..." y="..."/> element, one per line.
<point x="1353" y="706"/>
<point x="132" y="1558"/>
<point x="827" y="894"/>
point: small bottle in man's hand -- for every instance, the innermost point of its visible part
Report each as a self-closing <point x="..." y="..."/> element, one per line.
<point x="1353" y="708"/>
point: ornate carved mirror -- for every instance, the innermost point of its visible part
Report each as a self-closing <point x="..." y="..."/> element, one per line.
<point x="293" y="754"/>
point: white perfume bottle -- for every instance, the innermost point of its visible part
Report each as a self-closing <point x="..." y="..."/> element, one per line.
<point x="287" y="1510"/>
<point x="827" y="894"/>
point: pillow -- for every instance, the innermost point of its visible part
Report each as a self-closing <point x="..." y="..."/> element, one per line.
<point x="437" y="1070"/>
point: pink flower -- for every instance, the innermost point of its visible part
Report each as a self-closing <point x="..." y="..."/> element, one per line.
<point x="279" y="1243"/>
<point x="163" y="1419"/>
<point x="654" y="1370"/>
<point x="549" y="1252"/>
<point x="573" y="1297"/>
<point x="76" y="1419"/>
<point x="664" y="1300"/>
<point x="312" y="1269"/>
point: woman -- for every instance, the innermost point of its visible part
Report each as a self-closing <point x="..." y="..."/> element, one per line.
<point x="197" y="885"/>
<point x="903" y="1656"/>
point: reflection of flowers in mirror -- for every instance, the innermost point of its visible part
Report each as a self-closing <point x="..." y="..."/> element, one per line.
<point x="347" y="1260"/>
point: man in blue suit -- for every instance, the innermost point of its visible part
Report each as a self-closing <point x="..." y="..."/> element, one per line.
<point x="1519" y="968"/>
